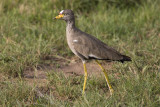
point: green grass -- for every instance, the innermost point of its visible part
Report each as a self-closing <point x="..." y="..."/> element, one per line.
<point x="28" y="35"/>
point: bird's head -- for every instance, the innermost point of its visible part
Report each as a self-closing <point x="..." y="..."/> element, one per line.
<point x="65" y="15"/>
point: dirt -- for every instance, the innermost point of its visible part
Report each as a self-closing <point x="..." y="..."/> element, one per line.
<point x="73" y="68"/>
<point x="37" y="77"/>
<point x="77" y="68"/>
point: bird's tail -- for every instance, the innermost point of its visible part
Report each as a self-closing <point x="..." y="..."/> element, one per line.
<point x="125" y="58"/>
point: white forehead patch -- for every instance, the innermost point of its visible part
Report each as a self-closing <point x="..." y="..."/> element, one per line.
<point x="61" y="11"/>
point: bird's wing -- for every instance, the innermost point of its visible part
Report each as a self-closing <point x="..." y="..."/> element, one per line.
<point x="90" y="47"/>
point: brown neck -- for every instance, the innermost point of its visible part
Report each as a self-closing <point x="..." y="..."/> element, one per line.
<point x="71" y="23"/>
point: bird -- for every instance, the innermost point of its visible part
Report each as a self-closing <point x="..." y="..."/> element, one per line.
<point x="88" y="47"/>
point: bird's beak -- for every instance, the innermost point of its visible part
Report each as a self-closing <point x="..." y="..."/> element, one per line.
<point x="59" y="16"/>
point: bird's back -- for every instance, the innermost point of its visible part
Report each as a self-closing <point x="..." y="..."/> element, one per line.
<point x="89" y="47"/>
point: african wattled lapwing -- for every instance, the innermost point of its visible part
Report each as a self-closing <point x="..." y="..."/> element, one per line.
<point x="87" y="47"/>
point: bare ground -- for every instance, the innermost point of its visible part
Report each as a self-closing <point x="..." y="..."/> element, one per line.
<point x="37" y="77"/>
<point x="73" y="68"/>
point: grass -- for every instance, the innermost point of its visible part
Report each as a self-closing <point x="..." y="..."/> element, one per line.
<point x="29" y="35"/>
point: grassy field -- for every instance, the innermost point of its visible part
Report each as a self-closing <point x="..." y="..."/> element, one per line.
<point x="30" y="38"/>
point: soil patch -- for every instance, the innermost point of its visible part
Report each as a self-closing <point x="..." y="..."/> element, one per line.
<point x="71" y="69"/>
<point x="77" y="68"/>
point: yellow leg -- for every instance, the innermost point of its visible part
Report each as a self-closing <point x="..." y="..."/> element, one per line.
<point x="85" y="77"/>
<point x="106" y="76"/>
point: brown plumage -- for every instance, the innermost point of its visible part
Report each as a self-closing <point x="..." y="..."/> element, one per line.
<point x="88" y="47"/>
